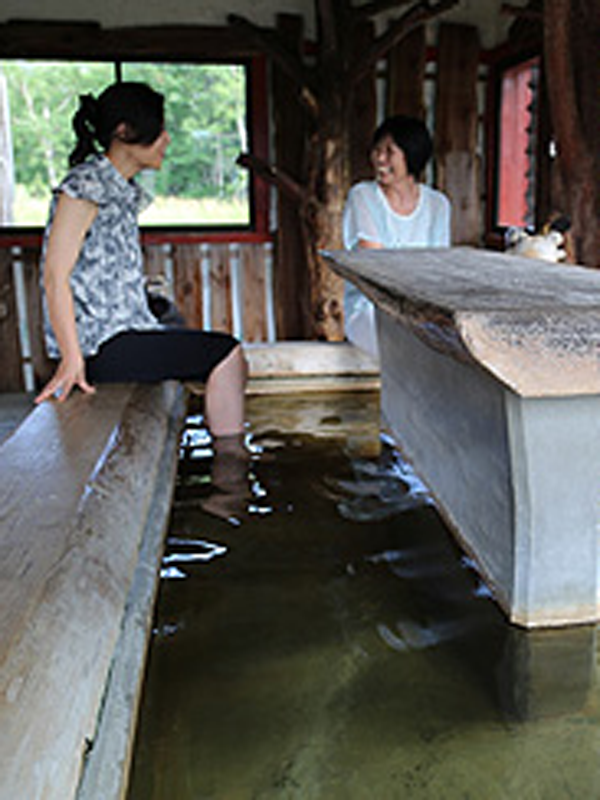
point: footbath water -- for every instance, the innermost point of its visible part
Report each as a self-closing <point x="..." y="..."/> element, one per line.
<point x="319" y="635"/>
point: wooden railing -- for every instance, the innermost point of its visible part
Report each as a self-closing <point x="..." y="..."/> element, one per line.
<point x="217" y="285"/>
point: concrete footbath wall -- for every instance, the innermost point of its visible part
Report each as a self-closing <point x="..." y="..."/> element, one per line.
<point x="491" y="386"/>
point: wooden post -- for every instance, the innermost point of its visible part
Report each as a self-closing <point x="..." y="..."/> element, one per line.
<point x="327" y="87"/>
<point x="406" y="75"/>
<point x="42" y="366"/>
<point x="188" y="283"/>
<point x="457" y="164"/>
<point x="290" y="277"/>
<point x="11" y="375"/>
<point x="363" y="116"/>
<point x="253" y="294"/>
<point x="571" y="32"/>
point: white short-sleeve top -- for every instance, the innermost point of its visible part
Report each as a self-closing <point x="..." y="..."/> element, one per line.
<point x="107" y="281"/>
<point x="369" y="217"/>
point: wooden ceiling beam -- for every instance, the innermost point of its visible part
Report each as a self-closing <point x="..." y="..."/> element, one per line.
<point x="77" y="40"/>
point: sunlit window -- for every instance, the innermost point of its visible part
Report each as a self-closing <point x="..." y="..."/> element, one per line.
<point x="206" y="114"/>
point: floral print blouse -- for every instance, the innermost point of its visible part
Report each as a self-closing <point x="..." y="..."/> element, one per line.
<point x="108" y="280"/>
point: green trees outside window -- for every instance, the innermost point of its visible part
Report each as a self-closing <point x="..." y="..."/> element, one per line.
<point x="206" y="115"/>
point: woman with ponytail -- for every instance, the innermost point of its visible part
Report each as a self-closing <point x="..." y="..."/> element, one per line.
<point x="97" y="323"/>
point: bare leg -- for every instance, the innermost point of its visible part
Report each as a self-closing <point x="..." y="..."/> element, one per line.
<point x="224" y="395"/>
<point x="229" y="478"/>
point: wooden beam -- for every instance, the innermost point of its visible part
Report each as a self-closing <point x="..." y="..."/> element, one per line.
<point x="372" y="9"/>
<point x="575" y="129"/>
<point x="405" y="76"/>
<point x="457" y="163"/>
<point x="290" y="133"/>
<point x="363" y="113"/>
<point x="418" y="14"/>
<point x="76" y="40"/>
<point x="11" y="376"/>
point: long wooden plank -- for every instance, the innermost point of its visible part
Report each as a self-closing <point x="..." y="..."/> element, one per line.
<point x="220" y="287"/>
<point x="76" y="483"/>
<point x="187" y="268"/>
<point x="534" y="325"/>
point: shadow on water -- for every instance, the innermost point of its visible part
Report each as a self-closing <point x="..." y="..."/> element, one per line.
<point x="319" y="636"/>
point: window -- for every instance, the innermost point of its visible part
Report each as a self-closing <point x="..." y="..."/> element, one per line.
<point x="517" y="145"/>
<point x="200" y="184"/>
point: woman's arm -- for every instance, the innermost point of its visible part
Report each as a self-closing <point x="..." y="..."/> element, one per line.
<point x="362" y="224"/>
<point x="366" y="244"/>
<point x="72" y="220"/>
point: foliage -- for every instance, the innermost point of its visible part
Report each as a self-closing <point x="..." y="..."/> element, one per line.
<point x="205" y="115"/>
<point x="42" y="99"/>
<point x="206" y="107"/>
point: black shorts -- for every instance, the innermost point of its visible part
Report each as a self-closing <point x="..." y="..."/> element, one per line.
<point x="153" y="356"/>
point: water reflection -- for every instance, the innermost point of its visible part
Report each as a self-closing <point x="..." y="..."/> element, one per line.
<point x="221" y="465"/>
<point x="547" y="673"/>
<point x="329" y="641"/>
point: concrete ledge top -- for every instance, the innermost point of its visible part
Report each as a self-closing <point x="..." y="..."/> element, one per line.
<point x="534" y="325"/>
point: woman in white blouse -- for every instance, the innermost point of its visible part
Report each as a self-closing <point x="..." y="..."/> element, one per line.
<point x="394" y="210"/>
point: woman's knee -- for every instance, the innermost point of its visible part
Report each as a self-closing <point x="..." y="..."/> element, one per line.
<point x="234" y="364"/>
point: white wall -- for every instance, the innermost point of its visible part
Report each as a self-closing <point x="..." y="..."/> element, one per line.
<point x="114" y="13"/>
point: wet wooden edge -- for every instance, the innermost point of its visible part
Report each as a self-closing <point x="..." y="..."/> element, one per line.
<point x="107" y="766"/>
<point x="84" y="482"/>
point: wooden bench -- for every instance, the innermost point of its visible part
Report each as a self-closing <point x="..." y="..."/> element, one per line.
<point x="85" y="492"/>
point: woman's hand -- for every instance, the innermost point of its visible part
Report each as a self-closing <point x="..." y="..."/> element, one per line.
<point x="72" y="220"/>
<point x="69" y="373"/>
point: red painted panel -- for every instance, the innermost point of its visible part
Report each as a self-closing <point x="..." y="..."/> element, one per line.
<point x="514" y="161"/>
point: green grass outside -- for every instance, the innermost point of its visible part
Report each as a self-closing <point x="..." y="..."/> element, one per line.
<point x="32" y="211"/>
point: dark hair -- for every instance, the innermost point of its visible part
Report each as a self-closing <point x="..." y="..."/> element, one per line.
<point x="411" y="136"/>
<point x="135" y="105"/>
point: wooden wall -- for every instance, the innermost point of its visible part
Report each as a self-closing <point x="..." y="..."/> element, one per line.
<point x="221" y="287"/>
<point x="458" y="168"/>
<point x="450" y="107"/>
<point x="254" y="291"/>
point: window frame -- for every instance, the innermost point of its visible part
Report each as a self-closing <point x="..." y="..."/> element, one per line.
<point x="189" y="44"/>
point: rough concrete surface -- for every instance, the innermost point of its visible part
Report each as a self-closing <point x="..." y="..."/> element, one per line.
<point x="535" y="326"/>
<point x="491" y="386"/>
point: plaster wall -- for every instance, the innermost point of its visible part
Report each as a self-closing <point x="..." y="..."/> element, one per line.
<point x="484" y="14"/>
<point x="124" y="13"/>
<point x="555" y="478"/>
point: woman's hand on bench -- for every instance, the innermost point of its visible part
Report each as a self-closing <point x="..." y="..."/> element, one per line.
<point x="69" y="373"/>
